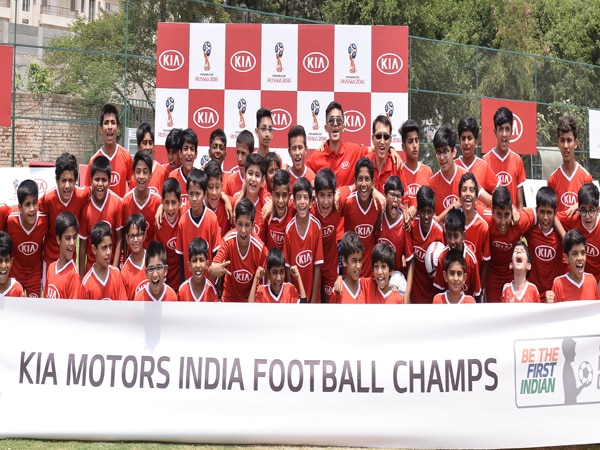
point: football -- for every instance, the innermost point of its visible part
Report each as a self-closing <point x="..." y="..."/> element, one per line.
<point x="432" y="255"/>
<point x="398" y="282"/>
<point x="585" y="373"/>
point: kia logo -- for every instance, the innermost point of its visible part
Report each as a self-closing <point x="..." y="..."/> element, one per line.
<point x="364" y="230"/>
<point x="172" y="243"/>
<point x="28" y="248"/>
<point x="505" y="178"/>
<point x="242" y="61"/>
<point x="282" y="119"/>
<point x="389" y="64"/>
<point x="277" y="236"/>
<point x="517" y="129"/>
<point x="412" y="190"/>
<point x="115" y="178"/>
<point x="591" y="250"/>
<point x="503" y="246"/>
<point x="242" y="276"/>
<point x="568" y="198"/>
<point x="327" y="231"/>
<point x="171" y="60"/>
<point x="315" y="62"/>
<point x="345" y="164"/>
<point x="41" y="184"/>
<point x="304" y="258"/>
<point x="206" y="117"/>
<point x="545" y="253"/>
<point x="450" y="200"/>
<point x="354" y="121"/>
<point x="419" y="253"/>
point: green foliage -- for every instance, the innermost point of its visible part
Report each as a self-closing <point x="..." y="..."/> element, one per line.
<point x="39" y="79"/>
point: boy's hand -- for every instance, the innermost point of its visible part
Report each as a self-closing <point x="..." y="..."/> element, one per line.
<point x="338" y="286"/>
<point x="379" y="198"/>
<point x="571" y="210"/>
<point x="158" y="216"/>
<point x="294" y="271"/>
<point x="228" y="206"/>
<point x="396" y="159"/>
<point x="516" y="215"/>
<point x="549" y="296"/>
<point x="220" y="269"/>
<point x="267" y="211"/>
<point x="260" y="271"/>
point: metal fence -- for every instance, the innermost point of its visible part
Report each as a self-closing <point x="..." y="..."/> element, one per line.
<point x="447" y="81"/>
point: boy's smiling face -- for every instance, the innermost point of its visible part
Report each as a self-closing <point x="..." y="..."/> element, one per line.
<point x="588" y="215"/>
<point x="353" y="265"/>
<point x="155" y="272"/>
<point x="576" y="258"/>
<point x="502" y="219"/>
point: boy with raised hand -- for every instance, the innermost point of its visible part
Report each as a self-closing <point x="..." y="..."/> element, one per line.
<point x="167" y="233"/>
<point x="454" y="232"/>
<point x="103" y="205"/>
<point x="145" y="143"/>
<point x="576" y="284"/>
<point x="348" y="290"/>
<point x="378" y="290"/>
<point x="65" y="197"/>
<point x="103" y="281"/>
<point x="28" y="228"/>
<point x="120" y="159"/>
<point x="424" y="230"/>
<point x="545" y="243"/>
<point x="141" y="199"/>
<point x="214" y="195"/>
<point x="9" y="287"/>
<point x="468" y="136"/>
<point x="173" y="145"/>
<point x="520" y="290"/>
<point x="504" y="232"/>
<point x="155" y="290"/>
<point x="392" y="226"/>
<point x="133" y="271"/>
<point x="454" y="276"/>
<point x="415" y="173"/>
<point x="445" y="181"/>
<point x="506" y="164"/>
<point x="303" y="245"/>
<point x="277" y="290"/>
<point x="568" y="178"/>
<point x="187" y="155"/>
<point x="62" y="279"/>
<point x="297" y="151"/>
<point x="244" y="146"/>
<point x="198" y="288"/>
<point x="197" y="221"/>
<point x="283" y="212"/>
<point x="239" y="256"/>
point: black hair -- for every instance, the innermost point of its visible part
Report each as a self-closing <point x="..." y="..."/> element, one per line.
<point x="383" y="120"/>
<point x="546" y="197"/>
<point x="333" y="105"/>
<point x="468" y="124"/>
<point x="64" y="162"/>
<point x="218" y="134"/>
<point x="138" y="220"/>
<point x="302" y="184"/>
<point x="173" y="140"/>
<point x="197" y="176"/>
<point x="455" y="220"/>
<point x="566" y="124"/>
<point x="271" y="157"/>
<point x="588" y="195"/>
<point x="141" y="131"/>
<point x="444" y="137"/>
<point x="281" y="178"/>
<point x="212" y="169"/>
<point x="27" y="188"/>
<point x="454" y="255"/>
<point x="144" y="157"/>
<point x="466" y="177"/>
<point x="364" y="162"/>
<point x="262" y="113"/>
<point x="425" y="197"/>
<point x="383" y="253"/>
<point x="325" y="179"/>
<point x="6" y="244"/>
<point x="521" y="243"/>
<point x="573" y="237"/>
<point x="503" y="115"/>
<point x="171" y="185"/>
<point x="65" y="220"/>
<point x="255" y="159"/>
<point x="407" y="127"/>
<point x="155" y="248"/>
<point x="100" y="230"/>
<point x="246" y="139"/>
<point x="501" y="198"/>
<point x="109" y="109"/>
<point x="188" y="135"/>
<point x="275" y="258"/>
<point x="101" y="164"/>
<point x="295" y="131"/>
<point x="350" y="243"/>
<point x="244" y="207"/>
<point x="393" y="183"/>
<point x="198" y="246"/>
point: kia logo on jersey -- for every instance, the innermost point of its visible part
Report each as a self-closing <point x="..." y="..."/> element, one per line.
<point x="115" y="178"/>
<point x="277" y="236"/>
<point x="172" y="243"/>
<point x="242" y="276"/>
<point x="412" y="190"/>
<point x="568" y="198"/>
<point x="282" y="119"/>
<point x="206" y="117"/>
<point x="327" y="231"/>
<point x="171" y="60"/>
<point x="354" y="121"/>
<point x="364" y="230"/>
<point x="389" y="64"/>
<point x="41" y="184"/>
<point x="315" y="62"/>
<point x="141" y="285"/>
<point x="419" y="253"/>
<point x="242" y="61"/>
<point x="504" y="246"/>
<point x="505" y="178"/>
<point x="450" y="200"/>
<point x="345" y="164"/>
<point x="28" y="248"/>
<point x="517" y="129"/>
<point x="304" y="258"/>
<point x="545" y="253"/>
<point x="52" y="292"/>
<point x="591" y="250"/>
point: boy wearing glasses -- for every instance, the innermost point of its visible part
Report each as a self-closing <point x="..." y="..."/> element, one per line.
<point x="155" y="289"/>
<point x="263" y="130"/>
<point x="133" y="271"/>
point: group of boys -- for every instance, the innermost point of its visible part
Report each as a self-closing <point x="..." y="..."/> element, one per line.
<point x="268" y="232"/>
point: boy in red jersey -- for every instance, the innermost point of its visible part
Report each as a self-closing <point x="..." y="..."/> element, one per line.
<point x="239" y="256"/>
<point x="545" y="243"/>
<point x="145" y="143"/>
<point x="520" y="290"/>
<point x="455" y="275"/>
<point x="348" y="290"/>
<point x="468" y="135"/>
<point x="255" y="176"/>
<point x="378" y="290"/>
<point x="120" y="159"/>
<point x="392" y="227"/>
<point x="103" y="281"/>
<point x="415" y="173"/>
<point x="575" y="284"/>
<point x="9" y="287"/>
<point x="133" y="271"/>
<point x="104" y="205"/>
<point x="244" y="146"/>
<point x="503" y="234"/>
<point x="272" y="165"/>
<point x="506" y="164"/>
<point x="66" y="197"/>
<point x="568" y="178"/>
<point x="187" y="154"/>
<point x="173" y="145"/>
<point x="27" y="228"/>
<point x="424" y="231"/>
<point x="282" y="210"/>
<point x="303" y="245"/>
<point x="141" y="199"/>
<point x="477" y="231"/>
<point x="167" y="233"/>
<point x="197" y="221"/>
<point x="217" y="148"/>
<point x="297" y="151"/>
<point x="263" y="130"/>
<point x="277" y="290"/>
<point x="214" y="195"/>
<point x="445" y="181"/>
<point x="62" y="278"/>
<point x="155" y="289"/>
<point x="198" y="288"/>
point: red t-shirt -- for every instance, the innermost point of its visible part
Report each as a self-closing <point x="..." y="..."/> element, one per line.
<point x="349" y="298"/>
<point x="509" y="170"/>
<point x="531" y="294"/>
<point x="485" y="176"/>
<point x="414" y="180"/>
<point x="423" y="290"/>
<point x="308" y="174"/>
<point x="63" y="283"/>
<point x="398" y="238"/>
<point x="472" y="284"/>
<point x="134" y="277"/>
<point x="442" y="299"/>
<point x="144" y="295"/>
<point x="111" y="288"/>
<point x="121" y="164"/>
<point x="276" y="229"/>
<point x="14" y="289"/>
<point x="182" y="180"/>
<point x="167" y="235"/>
<point x="341" y="163"/>
<point x="546" y="258"/>
<point x="146" y="209"/>
<point x="592" y="245"/>
<point x="567" y="188"/>
<point x="208" y="294"/>
<point x="288" y="294"/>
<point x="478" y="238"/>
<point x="374" y="295"/>
<point x="446" y="190"/>
<point x="565" y="289"/>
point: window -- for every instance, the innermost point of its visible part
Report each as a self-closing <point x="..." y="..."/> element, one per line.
<point x="26" y="5"/>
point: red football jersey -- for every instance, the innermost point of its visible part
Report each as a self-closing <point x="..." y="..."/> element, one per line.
<point x="276" y="229"/>
<point x="222" y="219"/>
<point x="159" y="175"/>
<point x="349" y="298"/>
<point x="592" y="245"/>
<point x="145" y="295"/>
<point x="485" y="176"/>
<point x="308" y="174"/>
<point x="182" y="179"/>
<point x="121" y="164"/>
<point x="342" y="163"/>
<point x="14" y="289"/>
<point x="208" y="294"/>
<point x="423" y="290"/>
<point x="442" y="299"/>
<point x="5" y="211"/>
<point x="566" y="290"/>
<point x="567" y="188"/>
<point x="146" y="209"/>
<point x="472" y="284"/>
<point x="398" y="238"/>
<point x="236" y="286"/>
<point x="546" y="258"/>
<point x="63" y="283"/>
<point x="478" y="238"/>
<point x="389" y="169"/>
<point x="288" y="294"/>
<point x="167" y="236"/>
<point x="446" y="190"/>
<point x="374" y="295"/>
<point x="134" y="277"/>
<point x="234" y="183"/>
<point x="109" y="288"/>
<point x="531" y="294"/>
<point x="305" y="252"/>
<point x="509" y="170"/>
<point x="414" y="180"/>
<point x="362" y="222"/>
<point x="260" y="229"/>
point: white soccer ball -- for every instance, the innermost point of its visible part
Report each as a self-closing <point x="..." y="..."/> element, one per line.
<point x="585" y="373"/>
<point x="432" y="256"/>
<point x="398" y="282"/>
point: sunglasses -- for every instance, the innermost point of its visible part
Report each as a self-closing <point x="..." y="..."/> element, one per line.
<point x="385" y="136"/>
<point x="337" y="120"/>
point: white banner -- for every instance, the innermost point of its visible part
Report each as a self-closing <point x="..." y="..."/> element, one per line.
<point x="11" y="177"/>
<point x="420" y="376"/>
<point x="594" y="130"/>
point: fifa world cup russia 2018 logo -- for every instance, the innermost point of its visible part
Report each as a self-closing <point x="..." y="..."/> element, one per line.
<point x="314" y="110"/>
<point x="241" y="112"/>
<point x="352" y="50"/>
<point x="278" y="56"/>
<point x="206" y="49"/>
<point x="170" y="104"/>
<point x="389" y="110"/>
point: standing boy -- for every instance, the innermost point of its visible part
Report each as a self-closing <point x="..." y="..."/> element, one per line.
<point x="297" y="151"/>
<point x="187" y="155"/>
<point x="381" y="157"/>
<point x="282" y="210"/>
<point x="198" y="288"/>
<point x="167" y="233"/>
<point x="378" y="290"/>
<point x="454" y="275"/>
<point x="145" y="143"/>
<point x="133" y="271"/>
<point x="415" y="173"/>
<point x="244" y="145"/>
<point x="348" y="290"/>
<point x="264" y="130"/>
<point x="214" y="195"/>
